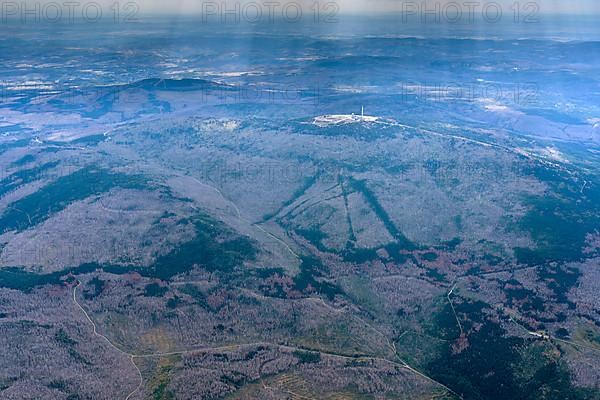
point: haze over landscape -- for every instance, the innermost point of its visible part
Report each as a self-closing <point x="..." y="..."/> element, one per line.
<point x="321" y="206"/>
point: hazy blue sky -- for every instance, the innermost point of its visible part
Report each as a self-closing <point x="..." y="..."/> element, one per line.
<point x="545" y="6"/>
<point x="351" y="6"/>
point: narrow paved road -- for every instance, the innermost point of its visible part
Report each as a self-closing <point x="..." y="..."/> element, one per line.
<point x="133" y="356"/>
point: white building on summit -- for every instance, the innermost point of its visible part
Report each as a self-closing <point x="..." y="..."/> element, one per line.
<point x="343" y="119"/>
